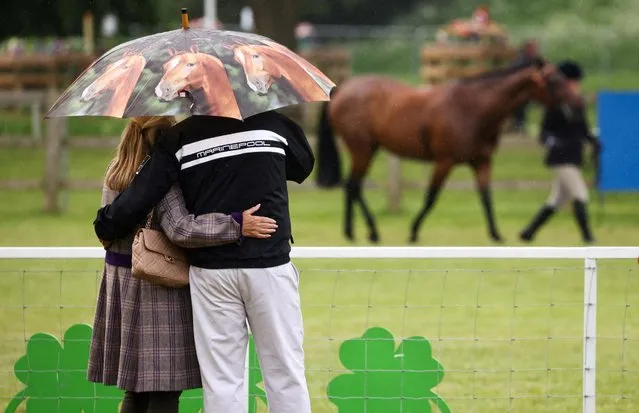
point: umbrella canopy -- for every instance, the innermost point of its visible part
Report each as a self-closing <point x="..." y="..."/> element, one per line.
<point x="193" y="72"/>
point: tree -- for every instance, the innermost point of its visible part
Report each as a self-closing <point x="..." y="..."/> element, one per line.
<point x="276" y="19"/>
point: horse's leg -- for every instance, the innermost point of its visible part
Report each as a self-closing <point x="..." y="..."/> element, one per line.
<point x="360" y="163"/>
<point x="482" y="176"/>
<point x="442" y="169"/>
<point x="349" y="198"/>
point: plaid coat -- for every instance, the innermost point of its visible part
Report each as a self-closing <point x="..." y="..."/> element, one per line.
<point x="143" y="333"/>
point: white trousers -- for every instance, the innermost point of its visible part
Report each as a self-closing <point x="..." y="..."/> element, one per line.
<point x="567" y="185"/>
<point x="223" y="300"/>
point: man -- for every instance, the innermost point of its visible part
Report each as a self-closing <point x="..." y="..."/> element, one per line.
<point x="528" y="53"/>
<point x="227" y="165"/>
<point x="564" y="131"/>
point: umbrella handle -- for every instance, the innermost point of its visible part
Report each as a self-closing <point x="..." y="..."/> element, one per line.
<point x="185" y="19"/>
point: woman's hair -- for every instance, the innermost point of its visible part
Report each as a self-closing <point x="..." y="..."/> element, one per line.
<point x="136" y="142"/>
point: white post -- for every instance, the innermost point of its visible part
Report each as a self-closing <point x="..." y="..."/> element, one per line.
<point x="590" y="335"/>
<point x="210" y="13"/>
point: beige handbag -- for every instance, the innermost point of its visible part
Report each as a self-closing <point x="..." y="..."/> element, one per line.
<point x="157" y="260"/>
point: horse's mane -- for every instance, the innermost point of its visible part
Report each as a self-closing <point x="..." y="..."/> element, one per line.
<point x="502" y="72"/>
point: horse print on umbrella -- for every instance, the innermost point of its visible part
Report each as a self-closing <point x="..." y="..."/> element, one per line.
<point x="198" y="73"/>
<point x="193" y="72"/>
<point x="104" y="88"/>
<point x="265" y="65"/>
<point x="326" y="83"/>
<point x="117" y="81"/>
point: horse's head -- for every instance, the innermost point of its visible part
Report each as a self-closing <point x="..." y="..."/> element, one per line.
<point x="114" y="74"/>
<point x="550" y="86"/>
<point x="184" y="71"/>
<point x="259" y="67"/>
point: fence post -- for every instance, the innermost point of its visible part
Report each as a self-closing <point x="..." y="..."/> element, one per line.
<point x="54" y="158"/>
<point x="36" y="121"/>
<point x="394" y="183"/>
<point x="590" y="335"/>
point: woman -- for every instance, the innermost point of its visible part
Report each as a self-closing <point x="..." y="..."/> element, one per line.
<point x="143" y="333"/>
<point x="564" y="131"/>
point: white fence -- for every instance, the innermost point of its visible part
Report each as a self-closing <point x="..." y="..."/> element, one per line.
<point x="589" y="256"/>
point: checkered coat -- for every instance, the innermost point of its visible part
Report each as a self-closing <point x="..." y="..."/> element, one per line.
<point x="143" y="333"/>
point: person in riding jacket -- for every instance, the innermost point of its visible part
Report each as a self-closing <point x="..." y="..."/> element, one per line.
<point x="565" y="129"/>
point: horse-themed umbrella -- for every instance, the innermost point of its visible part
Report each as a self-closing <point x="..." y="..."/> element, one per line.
<point x="193" y="72"/>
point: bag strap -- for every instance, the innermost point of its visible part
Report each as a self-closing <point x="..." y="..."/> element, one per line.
<point x="149" y="219"/>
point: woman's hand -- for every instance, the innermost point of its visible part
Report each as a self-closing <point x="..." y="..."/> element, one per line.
<point x="256" y="226"/>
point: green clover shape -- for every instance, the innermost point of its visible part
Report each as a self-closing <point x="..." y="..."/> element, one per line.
<point x="255" y="378"/>
<point x="385" y="380"/>
<point x="191" y="401"/>
<point x="55" y="376"/>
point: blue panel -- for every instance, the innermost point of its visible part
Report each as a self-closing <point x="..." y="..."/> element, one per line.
<point x="619" y="132"/>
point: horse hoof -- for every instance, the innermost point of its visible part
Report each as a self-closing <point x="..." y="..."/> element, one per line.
<point x="374" y="238"/>
<point x="349" y="236"/>
<point x="525" y="236"/>
<point x="412" y="239"/>
<point x="497" y="238"/>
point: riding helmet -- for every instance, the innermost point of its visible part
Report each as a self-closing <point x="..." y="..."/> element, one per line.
<point x="571" y="70"/>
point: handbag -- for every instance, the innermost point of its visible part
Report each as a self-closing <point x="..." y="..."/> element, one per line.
<point x="156" y="259"/>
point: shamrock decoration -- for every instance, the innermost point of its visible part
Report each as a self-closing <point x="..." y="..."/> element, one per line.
<point x="387" y="380"/>
<point x="255" y="377"/>
<point x="55" y="376"/>
<point x="191" y="401"/>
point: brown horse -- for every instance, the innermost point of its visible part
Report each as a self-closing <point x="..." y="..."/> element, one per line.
<point x="120" y="77"/>
<point x="204" y="77"/>
<point x="263" y="65"/>
<point x="451" y="124"/>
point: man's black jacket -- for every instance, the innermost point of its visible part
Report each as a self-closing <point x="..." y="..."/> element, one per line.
<point x="223" y="165"/>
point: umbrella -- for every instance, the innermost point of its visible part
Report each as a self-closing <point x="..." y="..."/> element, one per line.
<point x="193" y="72"/>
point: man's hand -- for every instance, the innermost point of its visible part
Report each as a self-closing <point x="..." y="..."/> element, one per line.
<point x="256" y="226"/>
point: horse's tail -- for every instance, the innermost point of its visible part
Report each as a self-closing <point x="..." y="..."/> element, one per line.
<point x="328" y="162"/>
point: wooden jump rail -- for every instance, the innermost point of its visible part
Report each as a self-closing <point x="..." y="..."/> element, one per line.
<point x="336" y="63"/>
<point x="444" y="62"/>
<point x="41" y="71"/>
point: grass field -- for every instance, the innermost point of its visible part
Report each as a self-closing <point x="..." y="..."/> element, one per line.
<point x="507" y="332"/>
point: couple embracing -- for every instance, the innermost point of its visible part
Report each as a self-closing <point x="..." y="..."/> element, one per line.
<point x="205" y="180"/>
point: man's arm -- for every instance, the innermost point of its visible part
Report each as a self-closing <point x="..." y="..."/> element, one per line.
<point x="299" y="155"/>
<point x="152" y="182"/>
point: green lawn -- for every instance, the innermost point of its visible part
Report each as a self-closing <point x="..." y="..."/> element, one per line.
<point x="507" y="332"/>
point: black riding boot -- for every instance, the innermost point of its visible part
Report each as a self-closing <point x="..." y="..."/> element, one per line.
<point x="581" y="214"/>
<point x="540" y="219"/>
